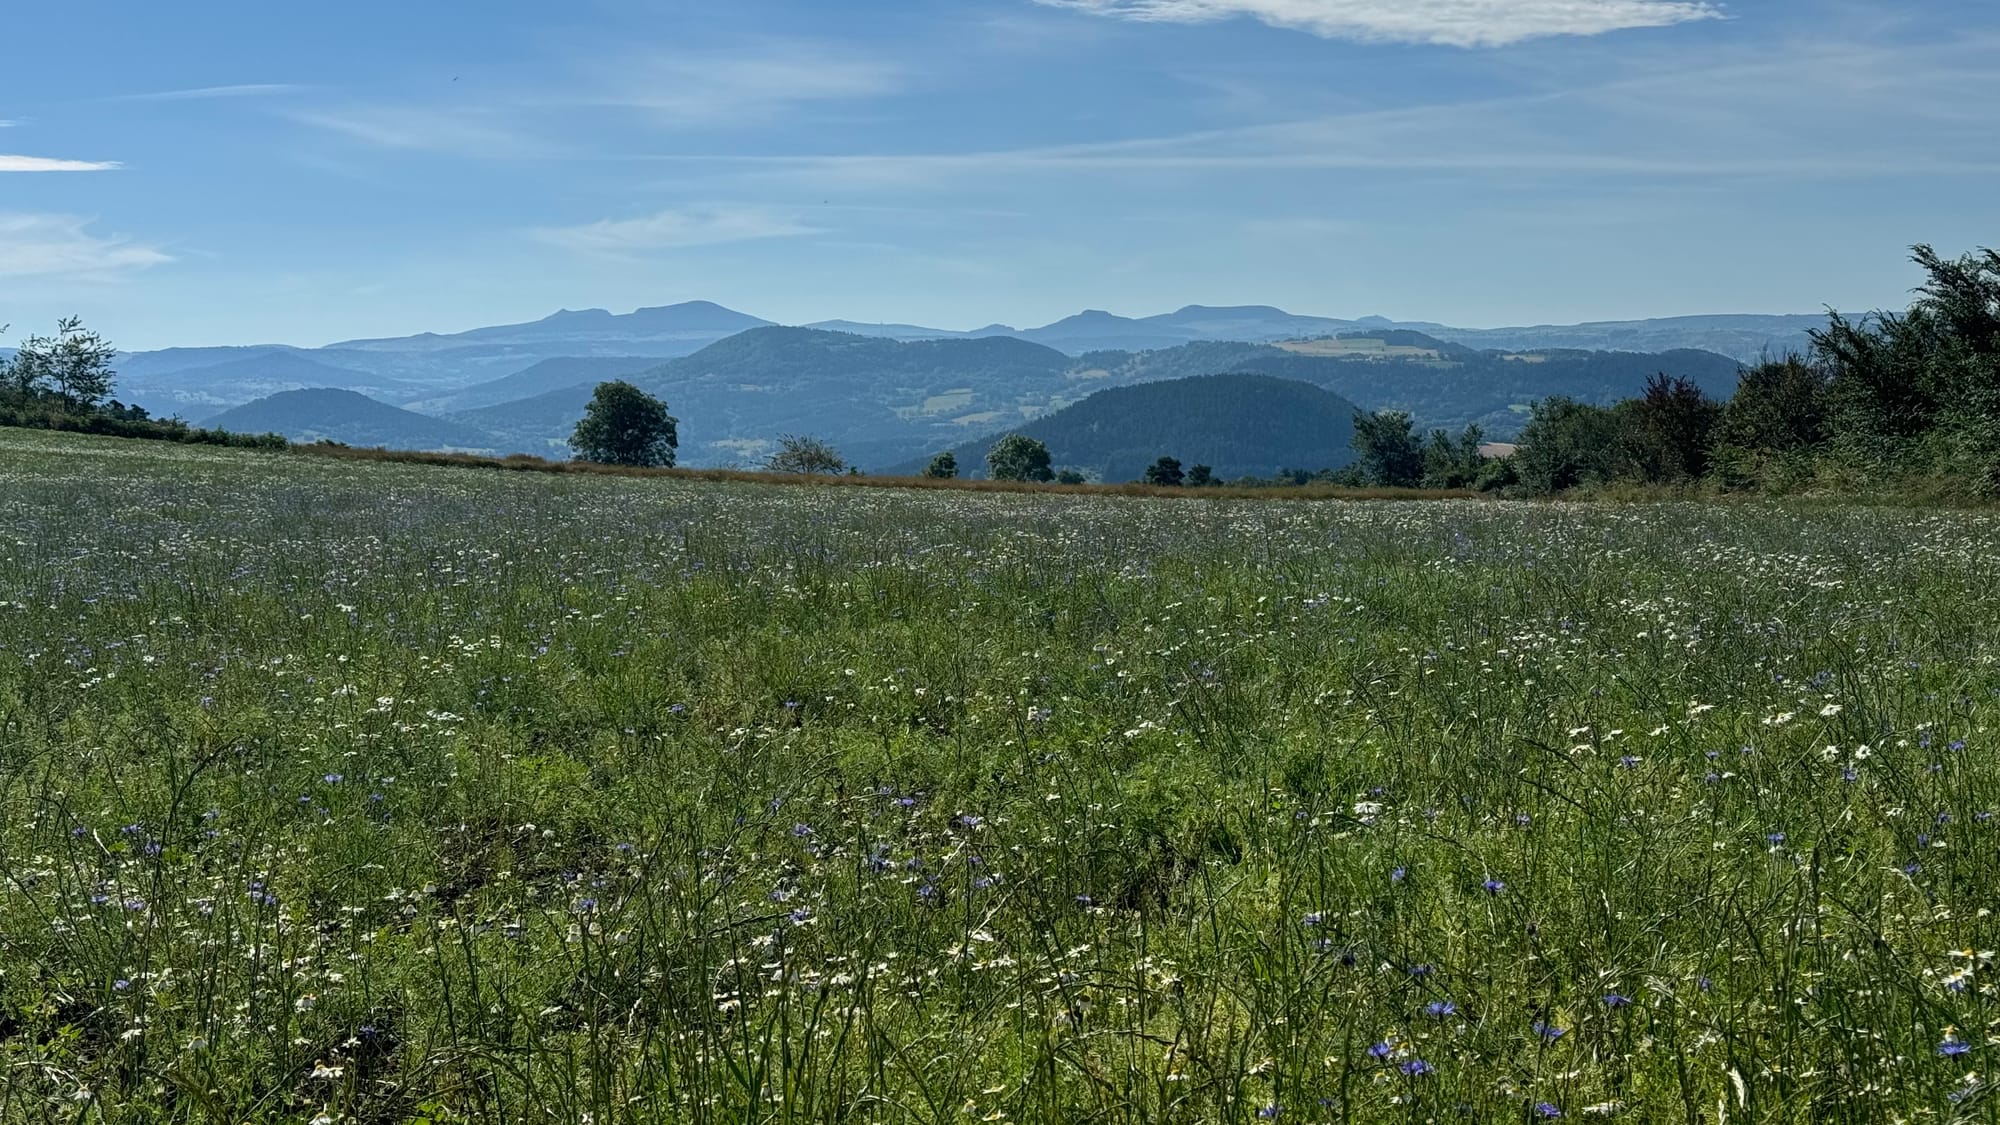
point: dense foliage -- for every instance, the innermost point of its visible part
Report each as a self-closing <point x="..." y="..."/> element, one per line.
<point x="1018" y="457"/>
<point x="624" y="425"/>
<point x="64" y="382"/>
<point x="376" y="793"/>
<point x="1906" y="401"/>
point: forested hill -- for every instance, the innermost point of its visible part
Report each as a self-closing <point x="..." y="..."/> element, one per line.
<point x="1237" y="424"/>
<point x="349" y="418"/>
<point x="1440" y="384"/>
<point x="882" y="402"/>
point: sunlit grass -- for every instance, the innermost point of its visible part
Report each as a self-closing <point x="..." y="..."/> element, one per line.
<point x="376" y="792"/>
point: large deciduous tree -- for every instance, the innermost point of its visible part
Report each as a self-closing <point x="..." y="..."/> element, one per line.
<point x="626" y="426"/>
<point x="1019" y="457"/>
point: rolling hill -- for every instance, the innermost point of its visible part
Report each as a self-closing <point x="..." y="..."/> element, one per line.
<point x="344" y="416"/>
<point x="1440" y="383"/>
<point x="881" y="402"/>
<point x="1238" y="425"/>
<point x="548" y="375"/>
<point x="203" y="389"/>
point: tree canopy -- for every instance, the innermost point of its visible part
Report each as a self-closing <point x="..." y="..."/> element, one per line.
<point x="624" y="425"/>
<point x="75" y="366"/>
<point x="1020" y="458"/>
<point x="806" y="456"/>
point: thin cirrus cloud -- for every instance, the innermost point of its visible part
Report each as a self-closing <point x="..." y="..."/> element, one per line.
<point x="1453" y="23"/>
<point x="210" y="93"/>
<point x="729" y="87"/>
<point x="62" y="246"/>
<point x="459" y="132"/>
<point x="49" y="164"/>
<point x="674" y="229"/>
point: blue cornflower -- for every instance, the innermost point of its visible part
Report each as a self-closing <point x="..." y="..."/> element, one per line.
<point x="1776" y="839"/>
<point x="1440" y="1009"/>
<point x="1313" y="919"/>
<point x="970" y="821"/>
<point x="1953" y="1048"/>
<point x="1494" y="886"/>
<point x="1270" y="1111"/>
<point x="802" y="830"/>
<point x="120" y="985"/>
<point x="333" y="779"/>
<point x="1616" y="1000"/>
<point x="1549" y="1031"/>
<point x="1417" y="1068"/>
<point x="1546" y="1111"/>
<point x="1381" y="1051"/>
<point x="1398" y="875"/>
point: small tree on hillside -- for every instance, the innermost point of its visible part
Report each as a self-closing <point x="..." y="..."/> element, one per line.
<point x="1676" y="425"/>
<point x="1391" y="456"/>
<point x="805" y="456"/>
<point x="624" y="425"/>
<point x="75" y="365"/>
<point x="1019" y="457"/>
<point x="1166" y="472"/>
<point x="1200" y="476"/>
<point x="942" y="467"/>
<point x="1453" y="462"/>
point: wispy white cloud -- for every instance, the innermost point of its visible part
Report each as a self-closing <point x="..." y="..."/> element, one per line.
<point x="730" y="87"/>
<point x="205" y="93"/>
<point x="61" y="246"/>
<point x="674" y="229"/>
<point x="47" y="164"/>
<point x="1456" y="23"/>
<point x="458" y="132"/>
<point x="1811" y="111"/>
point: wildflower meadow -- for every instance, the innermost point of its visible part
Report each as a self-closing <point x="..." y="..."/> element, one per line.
<point x="340" y="791"/>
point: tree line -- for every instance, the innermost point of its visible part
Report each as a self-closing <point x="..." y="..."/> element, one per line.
<point x="65" y="382"/>
<point x="1905" y="401"/>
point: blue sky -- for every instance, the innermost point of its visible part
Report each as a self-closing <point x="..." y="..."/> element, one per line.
<point x="219" y="171"/>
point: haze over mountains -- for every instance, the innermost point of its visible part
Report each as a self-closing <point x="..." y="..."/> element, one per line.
<point x="885" y="394"/>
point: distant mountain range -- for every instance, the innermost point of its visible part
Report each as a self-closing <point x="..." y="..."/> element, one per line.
<point x="426" y="369"/>
<point x="883" y="402"/>
<point x="884" y="394"/>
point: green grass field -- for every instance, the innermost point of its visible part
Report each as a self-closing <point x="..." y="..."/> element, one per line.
<point x="349" y="792"/>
